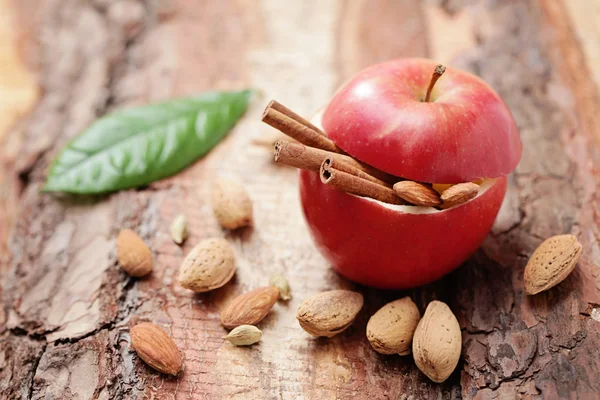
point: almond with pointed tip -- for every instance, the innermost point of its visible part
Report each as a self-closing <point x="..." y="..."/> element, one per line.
<point x="437" y="342"/>
<point x="156" y="348"/>
<point x="417" y="193"/>
<point x="390" y="330"/>
<point x="231" y="203"/>
<point x="459" y="194"/>
<point x="329" y="313"/>
<point x="133" y="254"/>
<point x="551" y="263"/>
<point x="210" y="265"/>
<point x="249" y="308"/>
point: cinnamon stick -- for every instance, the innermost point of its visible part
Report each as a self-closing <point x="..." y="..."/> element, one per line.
<point x="299" y="129"/>
<point x="358" y="186"/>
<point x="353" y="167"/>
<point x="299" y="156"/>
<point x="304" y="157"/>
<point x="274" y="104"/>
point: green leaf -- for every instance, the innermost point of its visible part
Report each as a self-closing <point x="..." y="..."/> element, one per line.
<point x="136" y="146"/>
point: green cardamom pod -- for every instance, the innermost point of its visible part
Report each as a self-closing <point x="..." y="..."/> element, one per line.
<point x="179" y="229"/>
<point x="244" y="335"/>
<point x="278" y="281"/>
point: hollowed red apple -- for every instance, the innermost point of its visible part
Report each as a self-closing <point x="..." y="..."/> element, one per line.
<point x="464" y="133"/>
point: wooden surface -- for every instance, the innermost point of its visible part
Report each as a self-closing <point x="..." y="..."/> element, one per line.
<point x="66" y="306"/>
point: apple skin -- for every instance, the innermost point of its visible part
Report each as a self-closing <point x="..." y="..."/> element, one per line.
<point x="389" y="249"/>
<point x="464" y="133"/>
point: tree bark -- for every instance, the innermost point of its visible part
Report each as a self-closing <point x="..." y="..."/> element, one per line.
<point x="67" y="306"/>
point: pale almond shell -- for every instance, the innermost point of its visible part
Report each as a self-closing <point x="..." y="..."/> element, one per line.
<point x="231" y="203"/>
<point x="208" y="266"/>
<point x="551" y="263"/>
<point x="437" y="342"/>
<point x="329" y="313"/>
<point x="390" y="330"/>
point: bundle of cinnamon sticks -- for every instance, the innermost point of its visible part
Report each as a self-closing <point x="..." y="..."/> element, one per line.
<point x="314" y="151"/>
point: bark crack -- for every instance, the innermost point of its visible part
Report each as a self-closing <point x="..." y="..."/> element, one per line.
<point x="34" y="370"/>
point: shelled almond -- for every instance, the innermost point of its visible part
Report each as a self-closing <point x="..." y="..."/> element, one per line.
<point x="156" y="348"/>
<point x="249" y="308"/>
<point x="417" y="193"/>
<point x="459" y="194"/>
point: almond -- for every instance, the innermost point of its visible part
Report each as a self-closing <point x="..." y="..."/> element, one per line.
<point x="231" y="203"/>
<point x="156" y="348"/>
<point x="210" y="265"/>
<point x="417" y="193"/>
<point x="459" y="194"/>
<point x="329" y="313"/>
<point x="133" y="254"/>
<point x="249" y="308"/>
<point x="551" y="263"/>
<point x="390" y="330"/>
<point x="437" y="342"/>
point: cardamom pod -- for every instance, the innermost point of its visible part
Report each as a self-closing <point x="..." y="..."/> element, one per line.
<point x="244" y="335"/>
<point x="279" y="281"/>
<point x="179" y="229"/>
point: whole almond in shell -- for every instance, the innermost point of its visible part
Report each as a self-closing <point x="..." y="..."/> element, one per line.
<point x="551" y="263"/>
<point x="329" y="313"/>
<point x="390" y="330"/>
<point x="231" y="203"/>
<point x="156" y="348"/>
<point x="210" y="265"/>
<point x="459" y="194"/>
<point x="249" y="308"/>
<point x="417" y="193"/>
<point x="437" y="342"/>
<point x="134" y="256"/>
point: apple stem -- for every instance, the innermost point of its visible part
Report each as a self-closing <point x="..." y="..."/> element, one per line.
<point x="439" y="71"/>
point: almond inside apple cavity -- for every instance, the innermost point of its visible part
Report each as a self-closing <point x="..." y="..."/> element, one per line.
<point x="484" y="185"/>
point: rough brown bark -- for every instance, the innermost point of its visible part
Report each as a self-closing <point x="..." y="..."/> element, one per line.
<point x="66" y="305"/>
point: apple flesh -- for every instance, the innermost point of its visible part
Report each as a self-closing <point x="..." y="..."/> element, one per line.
<point x="387" y="246"/>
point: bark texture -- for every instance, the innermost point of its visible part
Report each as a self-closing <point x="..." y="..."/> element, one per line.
<point x="66" y="306"/>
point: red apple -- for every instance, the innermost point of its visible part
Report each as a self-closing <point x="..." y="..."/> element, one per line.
<point x="464" y="133"/>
